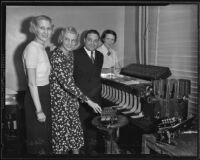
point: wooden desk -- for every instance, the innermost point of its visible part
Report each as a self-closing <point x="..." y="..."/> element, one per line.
<point x="186" y="145"/>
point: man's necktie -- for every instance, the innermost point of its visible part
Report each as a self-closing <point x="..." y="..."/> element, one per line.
<point x="92" y="56"/>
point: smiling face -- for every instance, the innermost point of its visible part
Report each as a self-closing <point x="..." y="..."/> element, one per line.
<point x="69" y="41"/>
<point x="109" y="40"/>
<point x="91" y="41"/>
<point x="43" y="31"/>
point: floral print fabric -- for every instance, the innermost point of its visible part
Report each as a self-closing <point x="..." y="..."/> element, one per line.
<point x="67" y="132"/>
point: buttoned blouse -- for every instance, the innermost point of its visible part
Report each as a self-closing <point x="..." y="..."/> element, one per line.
<point x="111" y="60"/>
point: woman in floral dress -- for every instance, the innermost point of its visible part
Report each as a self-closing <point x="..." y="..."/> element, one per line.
<point x="67" y="133"/>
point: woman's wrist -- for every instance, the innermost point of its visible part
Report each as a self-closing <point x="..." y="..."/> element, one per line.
<point x="87" y="99"/>
<point x="38" y="112"/>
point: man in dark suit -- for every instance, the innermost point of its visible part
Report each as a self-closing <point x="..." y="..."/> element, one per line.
<point x="87" y="69"/>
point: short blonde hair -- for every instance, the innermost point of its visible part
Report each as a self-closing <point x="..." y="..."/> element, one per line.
<point x="34" y="22"/>
<point x="63" y="31"/>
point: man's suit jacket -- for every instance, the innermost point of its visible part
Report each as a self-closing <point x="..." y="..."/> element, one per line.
<point x="87" y="74"/>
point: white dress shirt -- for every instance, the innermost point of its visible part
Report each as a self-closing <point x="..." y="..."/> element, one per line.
<point x="89" y="53"/>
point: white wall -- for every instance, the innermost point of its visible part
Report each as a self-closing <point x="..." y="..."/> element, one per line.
<point x="81" y="17"/>
<point x="130" y="32"/>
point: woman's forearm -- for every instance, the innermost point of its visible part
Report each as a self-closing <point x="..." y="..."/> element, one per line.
<point x="35" y="97"/>
<point x="34" y="89"/>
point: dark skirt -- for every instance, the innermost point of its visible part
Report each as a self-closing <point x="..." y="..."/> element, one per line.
<point x="38" y="134"/>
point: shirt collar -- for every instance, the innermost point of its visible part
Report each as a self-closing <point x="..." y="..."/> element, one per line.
<point x="104" y="47"/>
<point x="89" y="52"/>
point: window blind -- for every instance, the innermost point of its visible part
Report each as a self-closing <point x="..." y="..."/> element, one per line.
<point x="173" y="42"/>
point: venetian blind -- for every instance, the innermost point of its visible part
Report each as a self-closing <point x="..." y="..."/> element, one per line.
<point x="173" y="42"/>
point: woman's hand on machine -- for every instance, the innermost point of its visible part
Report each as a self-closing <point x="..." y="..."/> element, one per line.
<point x="95" y="106"/>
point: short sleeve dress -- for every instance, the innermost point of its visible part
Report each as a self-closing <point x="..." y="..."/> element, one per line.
<point x="38" y="134"/>
<point x="67" y="133"/>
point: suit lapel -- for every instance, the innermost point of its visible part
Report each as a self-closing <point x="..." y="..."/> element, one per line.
<point x="85" y="54"/>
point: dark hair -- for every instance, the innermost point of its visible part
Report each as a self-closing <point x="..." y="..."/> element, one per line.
<point x="108" y="31"/>
<point x="91" y="31"/>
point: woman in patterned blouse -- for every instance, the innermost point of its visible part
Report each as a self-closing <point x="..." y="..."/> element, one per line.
<point x="67" y="133"/>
